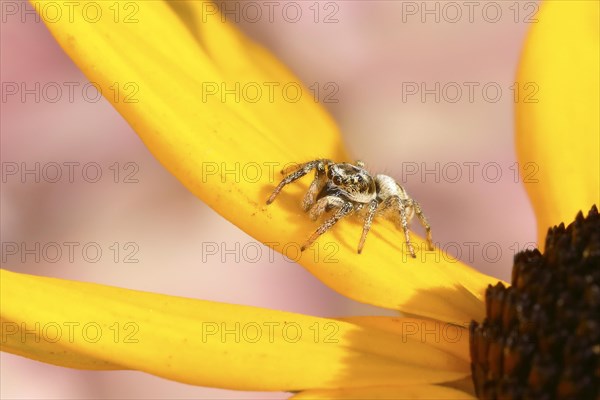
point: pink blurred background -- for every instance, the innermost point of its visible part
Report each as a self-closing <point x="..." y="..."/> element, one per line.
<point x="363" y="56"/>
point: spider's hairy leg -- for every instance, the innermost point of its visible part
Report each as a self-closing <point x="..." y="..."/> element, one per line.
<point x="324" y="205"/>
<point x="424" y="222"/>
<point x="299" y="172"/>
<point x="292" y="168"/>
<point x="346" y="209"/>
<point x="367" y="225"/>
<point x="397" y="205"/>
<point x="296" y="167"/>
<point x="404" y="222"/>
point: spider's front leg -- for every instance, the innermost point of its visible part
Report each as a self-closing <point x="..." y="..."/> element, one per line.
<point x="371" y="209"/>
<point x="344" y="209"/>
<point x="299" y="172"/>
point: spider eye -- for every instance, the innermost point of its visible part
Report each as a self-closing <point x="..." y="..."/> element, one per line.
<point x="337" y="180"/>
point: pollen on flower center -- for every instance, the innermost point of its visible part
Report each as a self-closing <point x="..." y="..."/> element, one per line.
<point x="541" y="336"/>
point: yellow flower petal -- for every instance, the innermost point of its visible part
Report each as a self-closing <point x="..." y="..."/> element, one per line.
<point x="449" y="338"/>
<point x="49" y="351"/>
<point x="204" y="343"/>
<point x="198" y="112"/>
<point x="429" y="392"/>
<point x="558" y="132"/>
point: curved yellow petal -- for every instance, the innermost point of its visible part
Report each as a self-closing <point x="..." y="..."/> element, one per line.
<point x="224" y="117"/>
<point x="449" y="338"/>
<point x="86" y="325"/>
<point x="50" y="351"/>
<point x="429" y="392"/>
<point x="558" y="132"/>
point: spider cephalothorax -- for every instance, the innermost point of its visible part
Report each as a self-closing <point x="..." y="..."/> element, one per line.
<point x="350" y="189"/>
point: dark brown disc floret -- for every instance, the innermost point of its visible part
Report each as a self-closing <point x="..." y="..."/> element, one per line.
<point x="541" y="336"/>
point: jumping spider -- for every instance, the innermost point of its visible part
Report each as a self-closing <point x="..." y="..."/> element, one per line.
<point x="350" y="189"/>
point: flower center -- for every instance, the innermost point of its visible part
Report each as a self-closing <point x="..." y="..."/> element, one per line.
<point x="541" y="336"/>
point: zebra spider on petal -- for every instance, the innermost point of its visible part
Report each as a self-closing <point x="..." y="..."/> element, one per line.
<point x="347" y="189"/>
